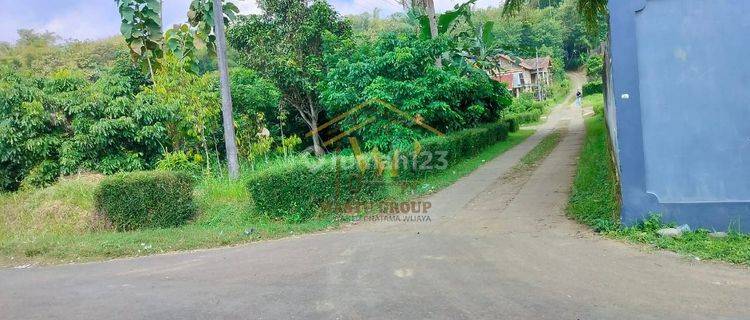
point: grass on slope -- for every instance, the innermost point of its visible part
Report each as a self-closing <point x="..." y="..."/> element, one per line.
<point x="594" y="201"/>
<point x="595" y="101"/>
<point x="58" y="224"/>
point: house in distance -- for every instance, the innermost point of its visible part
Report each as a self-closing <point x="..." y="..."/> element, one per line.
<point x="523" y="75"/>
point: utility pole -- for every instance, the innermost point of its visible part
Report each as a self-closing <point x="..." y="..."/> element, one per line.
<point x="538" y="83"/>
<point x="226" y="93"/>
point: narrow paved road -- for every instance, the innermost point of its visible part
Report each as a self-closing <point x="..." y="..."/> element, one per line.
<point x="498" y="247"/>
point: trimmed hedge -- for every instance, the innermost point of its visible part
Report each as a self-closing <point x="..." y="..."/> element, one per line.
<point x="435" y="154"/>
<point x="298" y="189"/>
<point x="147" y="199"/>
<point x="592" y="88"/>
<point x="526" y="117"/>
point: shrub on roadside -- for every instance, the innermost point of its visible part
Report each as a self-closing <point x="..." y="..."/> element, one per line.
<point x="592" y="87"/>
<point x="179" y="161"/>
<point x="526" y="109"/>
<point x="146" y="199"/>
<point x="434" y="154"/>
<point x="525" y="117"/>
<point x="596" y="102"/>
<point x="300" y="188"/>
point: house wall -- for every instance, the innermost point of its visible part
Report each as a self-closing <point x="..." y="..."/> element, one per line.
<point x="678" y="110"/>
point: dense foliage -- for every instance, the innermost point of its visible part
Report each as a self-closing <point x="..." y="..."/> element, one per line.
<point x="592" y="87"/>
<point x="594" y="73"/>
<point x="63" y="124"/>
<point x="143" y="200"/>
<point x="66" y="123"/>
<point x="558" y="31"/>
<point x="40" y="53"/>
<point x="395" y="79"/>
<point x="333" y="182"/>
<point x="82" y="106"/>
<point x="285" y="44"/>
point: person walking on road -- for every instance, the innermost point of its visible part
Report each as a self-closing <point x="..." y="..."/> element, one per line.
<point x="578" y="98"/>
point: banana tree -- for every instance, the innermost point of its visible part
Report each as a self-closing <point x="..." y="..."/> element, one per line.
<point x="474" y="43"/>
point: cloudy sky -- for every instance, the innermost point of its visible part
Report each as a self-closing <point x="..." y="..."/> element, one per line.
<point x="95" y="19"/>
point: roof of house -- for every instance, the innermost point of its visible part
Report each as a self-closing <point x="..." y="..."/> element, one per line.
<point x="520" y="64"/>
<point x="536" y="63"/>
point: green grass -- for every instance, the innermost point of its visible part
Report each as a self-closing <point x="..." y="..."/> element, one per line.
<point x="541" y="150"/>
<point x="594" y="202"/>
<point x="225" y="214"/>
<point x="595" y="101"/>
<point x="58" y="225"/>
<point x="594" y="198"/>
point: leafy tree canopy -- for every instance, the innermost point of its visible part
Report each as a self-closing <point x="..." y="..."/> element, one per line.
<point x="398" y="70"/>
<point x="285" y="44"/>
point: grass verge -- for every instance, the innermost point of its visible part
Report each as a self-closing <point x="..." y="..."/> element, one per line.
<point x="54" y="225"/>
<point x="444" y="179"/>
<point x="595" y="101"/>
<point x="533" y="158"/>
<point x="594" y="202"/>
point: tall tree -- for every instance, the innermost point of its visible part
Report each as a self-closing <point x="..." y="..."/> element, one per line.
<point x="285" y="43"/>
<point x="230" y="141"/>
<point x="209" y="18"/>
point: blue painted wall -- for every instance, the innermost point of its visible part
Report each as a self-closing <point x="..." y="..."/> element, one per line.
<point x="678" y="109"/>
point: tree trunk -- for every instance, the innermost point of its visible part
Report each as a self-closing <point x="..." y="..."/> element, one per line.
<point x="317" y="146"/>
<point x="429" y="8"/>
<point x="312" y="122"/>
<point x="226" y="93"/>
<point x="430" y="11"/>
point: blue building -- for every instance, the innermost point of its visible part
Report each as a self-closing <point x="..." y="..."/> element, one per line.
<point x="678" y="110"/>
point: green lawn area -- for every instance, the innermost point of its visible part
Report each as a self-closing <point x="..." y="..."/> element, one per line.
<point x="58" y="224"/>
<point x="594" y="202"/>
<point x="595" y="101"/>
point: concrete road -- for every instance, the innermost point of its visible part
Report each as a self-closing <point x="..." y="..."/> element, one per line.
<point x="498" y="246"/>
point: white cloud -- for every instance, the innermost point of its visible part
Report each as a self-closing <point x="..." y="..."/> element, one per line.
<point x="83" y="22"/>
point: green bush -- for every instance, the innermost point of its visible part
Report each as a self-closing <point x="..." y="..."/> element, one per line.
<point x="395" y="77"/>
<point x="594" y="67"/>
<point x="596" y="102"/>
<point x="181" y="162"/>
<point x="592" y="87"/>
<point x="525" y="117"/>
<point x="42" y="175"/>
<point x="436" y="154"/>
<point x="299" y="188"/>
<point x="513" y="124"/>
<point x="146" y="199"/>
